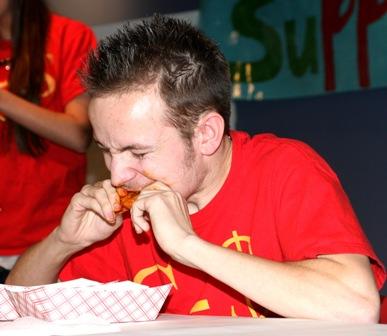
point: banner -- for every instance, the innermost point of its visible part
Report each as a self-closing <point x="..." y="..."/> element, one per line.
<point x="295" y="48"/>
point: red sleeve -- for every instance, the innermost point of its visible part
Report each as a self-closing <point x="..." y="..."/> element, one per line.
<point x="315" y="216"/>
<point x="77" y="41"/>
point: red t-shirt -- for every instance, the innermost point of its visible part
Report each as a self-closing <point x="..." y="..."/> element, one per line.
<point x="280" y="201"/>
<point x="34" y="192"/>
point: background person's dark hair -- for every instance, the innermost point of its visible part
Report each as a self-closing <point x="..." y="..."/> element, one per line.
<point x="30" y="23"/>
<point x="191" y="73"/>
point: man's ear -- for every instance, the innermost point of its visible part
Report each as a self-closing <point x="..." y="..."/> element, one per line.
<point x="209" y="132"/>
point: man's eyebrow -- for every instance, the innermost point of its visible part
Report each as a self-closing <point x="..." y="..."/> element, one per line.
<point x="134" y="146"/>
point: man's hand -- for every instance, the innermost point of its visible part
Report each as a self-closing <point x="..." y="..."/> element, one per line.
<point x="167" y="213"/>
<point x="90" y="217"/>
<point x="329" y="287"/>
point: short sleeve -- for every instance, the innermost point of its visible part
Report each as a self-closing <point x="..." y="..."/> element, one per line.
<point x="77" y="41"/>
<point x="315" y="216"/>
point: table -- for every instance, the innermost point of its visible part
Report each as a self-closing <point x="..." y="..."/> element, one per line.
<point x="171" y="325"/>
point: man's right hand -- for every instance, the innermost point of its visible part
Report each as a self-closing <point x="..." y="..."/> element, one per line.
<point x="90" y="216"/>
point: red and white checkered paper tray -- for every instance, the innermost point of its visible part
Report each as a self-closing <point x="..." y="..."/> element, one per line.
<point x="114" y="302"/>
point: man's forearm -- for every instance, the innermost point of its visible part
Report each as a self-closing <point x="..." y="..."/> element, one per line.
<point x="41" y="263"/>
<point x="317" y="289"/>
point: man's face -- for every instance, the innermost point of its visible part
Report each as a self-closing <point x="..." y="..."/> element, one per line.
<point x="138" y="145"/>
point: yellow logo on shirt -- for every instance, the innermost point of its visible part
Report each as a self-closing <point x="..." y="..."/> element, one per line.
<point x="242" y="244"/>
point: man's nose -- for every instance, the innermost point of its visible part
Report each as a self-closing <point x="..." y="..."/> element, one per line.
<point x="121" y="171"/>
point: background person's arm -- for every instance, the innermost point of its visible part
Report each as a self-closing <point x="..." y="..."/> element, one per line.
<point x="70" y="129"/>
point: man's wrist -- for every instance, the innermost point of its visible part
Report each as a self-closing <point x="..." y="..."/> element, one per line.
<point x="63" y="247"/>
<point x="190" y="250"/>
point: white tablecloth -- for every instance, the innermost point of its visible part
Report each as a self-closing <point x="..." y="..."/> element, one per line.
<point x="170" y="325"/>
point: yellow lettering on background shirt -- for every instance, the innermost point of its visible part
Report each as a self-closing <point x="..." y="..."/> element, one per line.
<point x="51" y="84"/>
<point x="49" y="80"/>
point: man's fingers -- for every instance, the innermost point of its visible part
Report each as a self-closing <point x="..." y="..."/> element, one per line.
<point x="111" y="192"/>
<point x="103" y="209"/>
<point x="137" y="214"/>
<point x="97" y="200"/>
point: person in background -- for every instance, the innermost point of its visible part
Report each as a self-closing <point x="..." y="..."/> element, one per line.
<point x="44" y="128"/>
<point x="240" y="225"/>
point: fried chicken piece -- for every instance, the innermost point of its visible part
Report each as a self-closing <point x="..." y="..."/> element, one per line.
<point x="127" y="197"/>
